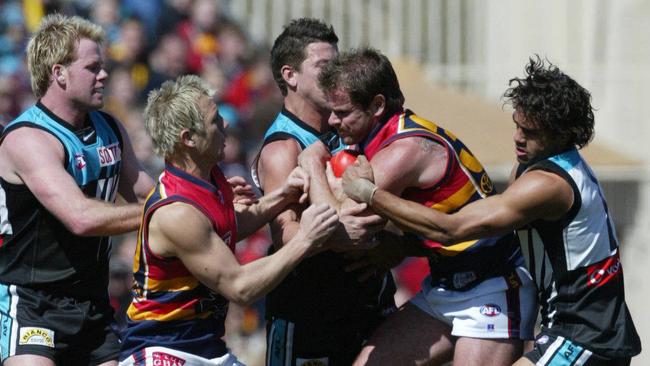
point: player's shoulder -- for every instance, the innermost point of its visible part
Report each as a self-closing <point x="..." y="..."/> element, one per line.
<point x="30" y="138"/>
<point x="167" y="217"/>
<point x="280" y="152"/>
<point x="411" y="150"/>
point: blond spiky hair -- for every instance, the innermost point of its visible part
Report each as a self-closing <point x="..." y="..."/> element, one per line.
<point x="55" y="43"/>
<point x="172" y="108"/>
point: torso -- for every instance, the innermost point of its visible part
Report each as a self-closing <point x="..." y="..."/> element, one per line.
<point x="463" y="181"/>
<point x="171" y="308"/>
<point x="319" y="290"/>
<point x="576" y="265"/>
<point x="37" y="249"/>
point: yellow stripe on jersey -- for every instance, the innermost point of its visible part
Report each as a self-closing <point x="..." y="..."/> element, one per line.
<point x="470" y="162"/>
<point x="138" y="253"/>
<point x="456" y="200"/>
<point x="427" y="125"/>
<point x="138" y="247"/>
<point x="175" y="284"/>
<point x="452" y="250"/>
<point x="178" y="314"/>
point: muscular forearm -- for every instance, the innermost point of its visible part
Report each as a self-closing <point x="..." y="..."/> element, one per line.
<point x="283" y="235"/>
<point x="251" y="218"/>
<point x="259" y="277"/>
<point x="319" y="189"/>
<point x="103" y="219"/>
<point x="414" y="217"/>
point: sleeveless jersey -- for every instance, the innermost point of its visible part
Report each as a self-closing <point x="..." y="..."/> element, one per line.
<point x="287" y="126"/>
<point x="36" y="249"/>
<point x="170" y="307"/>
<point x="576" y="265"/>
<point x="319" y="290"/>
<point x="462" y="265"/>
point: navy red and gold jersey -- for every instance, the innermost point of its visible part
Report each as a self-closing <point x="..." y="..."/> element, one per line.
<point x="464" y="181"/>
<point x="170" y="307"/>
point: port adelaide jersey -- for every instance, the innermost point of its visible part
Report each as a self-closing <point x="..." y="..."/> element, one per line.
<point x="576" y="265"/>
<point x="35" y="248"/>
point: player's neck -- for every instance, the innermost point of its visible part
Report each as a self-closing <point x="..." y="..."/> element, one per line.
<point x="188" y="164"/>
<point x="308" y="112"/>
<point x="64" y="109"/>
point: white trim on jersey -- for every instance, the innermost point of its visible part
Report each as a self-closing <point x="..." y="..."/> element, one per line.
<point x="587" y="237"/>
<point x="13" y="313"/>
<point x="537" y="261"/>
<point x="5" y="225"/>
<point x="584" y="357"/>
<point x="550" y="352"/>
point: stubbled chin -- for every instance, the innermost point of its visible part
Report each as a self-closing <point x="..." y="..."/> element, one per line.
<point x="348" y="140"/>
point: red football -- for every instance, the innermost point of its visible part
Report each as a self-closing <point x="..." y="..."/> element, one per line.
<point x="341" y="160"/>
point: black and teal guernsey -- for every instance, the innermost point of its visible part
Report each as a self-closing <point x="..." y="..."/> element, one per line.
<point x="576" y="264"/>
<point x="36" y="249"/>
<point x="319" y="290"/>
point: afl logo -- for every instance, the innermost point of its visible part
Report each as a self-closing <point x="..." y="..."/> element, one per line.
<point x="490" y="310"/>
<point x="486" y="184"/>
<point x="79" y="160"/>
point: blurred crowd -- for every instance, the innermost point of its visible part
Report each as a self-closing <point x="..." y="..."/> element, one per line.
<point x="147" y="43"/>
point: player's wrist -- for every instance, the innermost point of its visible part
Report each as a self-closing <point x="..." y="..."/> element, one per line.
<point x="361" y="190"/>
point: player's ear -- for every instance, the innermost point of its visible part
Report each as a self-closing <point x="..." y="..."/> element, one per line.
<point x="187" y="138"/>
<point x="289" y="75"/>
<point x="58" y="73"/>
<point x="378" y="105"/>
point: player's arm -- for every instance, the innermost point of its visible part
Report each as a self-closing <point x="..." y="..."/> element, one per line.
<point x="135" y="182"/>
<point x="408" y="163"/>
<point x="535" y="195"/>
<point x="358" y="227"/>
<point x="277" y="160"/>
<point x="403" y="163"/>
<point x="210" y="260"/>
<point x="294" y="190"/>
<point x="35" y="158"/>
<point x="243" y="191"/>
<point x="313" y="159"/>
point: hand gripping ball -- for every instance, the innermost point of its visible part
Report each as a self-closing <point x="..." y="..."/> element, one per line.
<point x="341" y="160"/>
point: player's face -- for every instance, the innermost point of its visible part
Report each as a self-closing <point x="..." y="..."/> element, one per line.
<point x="530" y="142"/>
<point x="318" y="55"/>
<point x="352" y="122"/>
<point x="85" y="77"/>
<point x="211" y="143"/>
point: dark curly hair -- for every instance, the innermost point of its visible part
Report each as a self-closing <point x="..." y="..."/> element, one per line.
<point x="363" y="73"/>
<point x="290" y="46"/>
<point x="554" y="102"/>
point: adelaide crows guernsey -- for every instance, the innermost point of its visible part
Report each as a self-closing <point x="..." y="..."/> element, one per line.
<point x="319" y="290"/>
<point x="170" y="307"/>
<point x="462" y="265"/>
<point x="36" y="249"/>
<point x="576" y="265"/>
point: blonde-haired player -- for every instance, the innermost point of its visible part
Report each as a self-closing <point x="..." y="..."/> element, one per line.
<point x="63" y="164"/>
<point x="185" y="270"/>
